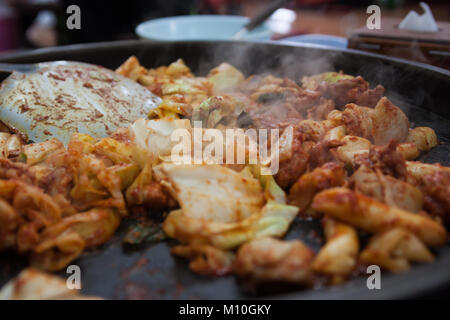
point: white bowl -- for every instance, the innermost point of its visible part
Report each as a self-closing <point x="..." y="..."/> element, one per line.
<point x="322" y="39"/>
<point x="199" y="27"/>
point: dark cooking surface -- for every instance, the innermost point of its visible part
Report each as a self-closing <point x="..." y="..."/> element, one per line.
<point x="112" y="271"/>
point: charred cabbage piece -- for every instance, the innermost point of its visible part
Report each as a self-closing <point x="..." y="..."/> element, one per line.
<point x="225" y="78"/>
<point x="155" y="135"/>
<point x="222" y="207"/>
<point x="218" y="109"/>
<point x="144" y="232"/>
<point x="314" y="81"/>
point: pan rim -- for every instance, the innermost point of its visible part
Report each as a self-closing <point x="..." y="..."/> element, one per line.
<point x="424" y="278"/>
<point x="114" y="44"/>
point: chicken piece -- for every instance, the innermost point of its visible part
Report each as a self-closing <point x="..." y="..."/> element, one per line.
<point x="420" y="139"/>
<point x="206" y="260"/>
<point x="343" y="89"/>
<point x="388" y="123"/>
<point x="322" y="152"/>
<point x="408" y="150"/>
<point x="33" y="284"/>
<point x="423" y="137"/>
<point x="365" y="180"/>
<point x="292" y="167"/>
<point x="370" y="97"/>
<point x="436" y="187"/>
<point x="400" y="194"/>
<point x="311" y="130"/>
<point x="382" y="124"/>
<point x="282" y="101"/>
<point x="339" y="255"/>
<point x="270" y="260"/>
<point x="303" y="148"/>
<point x="274" y="116"/>
<point x="385" y="158"/>
<point x="387" y="189"/>
<point x="320" y="112"/>
<point x="357" y="120"/>
<point x="433" y="181"/>
<point x="302" y="192"/>
<point x="352" y="149"/>
<point x="417" y="170"/>
<point x="374" y="216"/>
<point x="395" y="249"/>
<point x="285" y="143"/>
<point x="147" y="192"/>
<point x="270" y="90"/>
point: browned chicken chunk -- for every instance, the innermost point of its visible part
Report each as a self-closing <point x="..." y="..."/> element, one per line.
<point x="269" y="259"/>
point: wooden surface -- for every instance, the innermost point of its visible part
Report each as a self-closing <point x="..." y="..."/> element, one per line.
<point x="349" y="22"/>
<point x="340" y="20"/>
<point x="390" y="31"/>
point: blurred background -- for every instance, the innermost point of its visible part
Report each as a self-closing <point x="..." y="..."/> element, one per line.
<point x="30" y="24"/>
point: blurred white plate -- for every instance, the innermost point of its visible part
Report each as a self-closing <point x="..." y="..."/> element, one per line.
<point x="199" y="27"/>
<point x="322" y="39"/>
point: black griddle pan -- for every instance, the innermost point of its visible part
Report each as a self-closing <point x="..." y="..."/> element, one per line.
<point x="151" y="272"/>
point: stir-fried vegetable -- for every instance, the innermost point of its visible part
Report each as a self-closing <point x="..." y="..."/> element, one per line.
<point x="222" y="207"/>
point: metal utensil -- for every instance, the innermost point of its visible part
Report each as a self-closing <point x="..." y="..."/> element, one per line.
<point x="258" y="19"/>
<point x="56" y="99"/>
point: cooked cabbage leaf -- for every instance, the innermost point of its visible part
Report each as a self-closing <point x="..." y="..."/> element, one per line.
<point x="155" y="135"/>
<point x="222" y="207"/>
<point x="312" y="82"/>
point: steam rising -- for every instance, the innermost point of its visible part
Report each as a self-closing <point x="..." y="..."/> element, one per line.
<point x="405" y="85"/>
